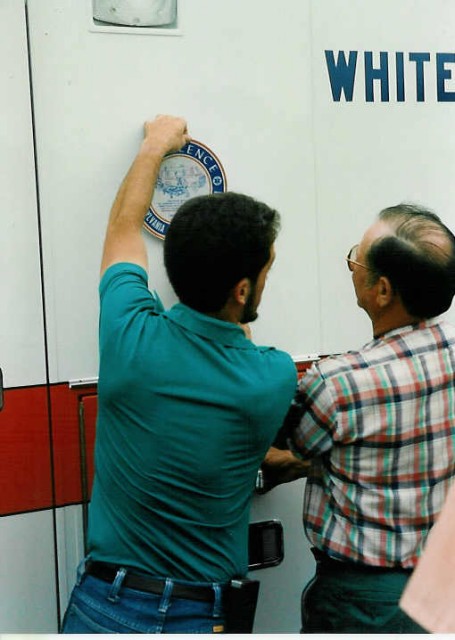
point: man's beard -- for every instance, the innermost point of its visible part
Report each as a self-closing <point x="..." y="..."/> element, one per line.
<point x="250" y="309"/>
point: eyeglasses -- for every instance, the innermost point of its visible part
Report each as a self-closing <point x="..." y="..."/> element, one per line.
<point x="351" y="259"/>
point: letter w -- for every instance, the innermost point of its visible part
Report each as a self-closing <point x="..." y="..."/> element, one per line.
<point x="341" y="74"/>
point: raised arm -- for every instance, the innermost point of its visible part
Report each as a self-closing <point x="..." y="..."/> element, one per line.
<point x="124" y="241"/>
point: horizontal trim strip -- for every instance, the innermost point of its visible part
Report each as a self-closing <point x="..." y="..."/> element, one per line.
<point x="25" y="472"/>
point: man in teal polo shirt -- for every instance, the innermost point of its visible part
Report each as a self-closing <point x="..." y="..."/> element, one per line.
<point x="188" y="406"/>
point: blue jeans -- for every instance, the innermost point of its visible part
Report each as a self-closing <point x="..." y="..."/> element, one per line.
<point x="96" y="606"/>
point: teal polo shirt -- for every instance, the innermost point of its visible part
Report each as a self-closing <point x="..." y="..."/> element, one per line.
<point x="187" y="408"/>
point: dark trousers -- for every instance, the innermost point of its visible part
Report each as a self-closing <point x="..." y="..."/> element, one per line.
<point x="348" y="598"/>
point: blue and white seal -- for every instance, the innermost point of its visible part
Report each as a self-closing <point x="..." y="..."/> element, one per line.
<point x="192" y="171"/>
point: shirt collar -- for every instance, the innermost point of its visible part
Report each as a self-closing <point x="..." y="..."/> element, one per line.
<point x="398" y="331"/>
<point x="227" y="333"/>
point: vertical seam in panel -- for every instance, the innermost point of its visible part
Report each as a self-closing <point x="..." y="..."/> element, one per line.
<point x="43" y="299"/>
<point x="321" y="337"/>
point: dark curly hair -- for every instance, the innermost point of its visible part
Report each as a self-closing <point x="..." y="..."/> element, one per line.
<point x="213" y="242"/>
<point x="418" y="260"/>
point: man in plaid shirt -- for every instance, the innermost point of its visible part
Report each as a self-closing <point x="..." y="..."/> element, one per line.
<point x="377" y="427"/>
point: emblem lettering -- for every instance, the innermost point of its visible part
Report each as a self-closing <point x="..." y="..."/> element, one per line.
<point x="192" y="171"/>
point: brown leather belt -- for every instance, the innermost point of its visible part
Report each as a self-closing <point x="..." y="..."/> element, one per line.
<point x="140" y="582"/>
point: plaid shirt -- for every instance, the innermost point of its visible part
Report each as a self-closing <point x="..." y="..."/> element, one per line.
<point x="379" y="424"/>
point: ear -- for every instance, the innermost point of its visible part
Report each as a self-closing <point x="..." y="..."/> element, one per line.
<point x="241" y="291"/>
<point x="385" y="292"/>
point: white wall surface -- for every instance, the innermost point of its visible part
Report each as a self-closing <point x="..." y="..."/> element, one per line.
<point x="278" y="609"/>
<point x="27" y="575"/>
<point x="242" y="83"/>
<point x="21" y="323"/>
<point x="370" y="155"/>
<point x="256" y="90"/>
<point x="70" y="546"/>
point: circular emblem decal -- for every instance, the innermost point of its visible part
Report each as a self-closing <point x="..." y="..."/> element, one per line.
<point x="192" y="171"/>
